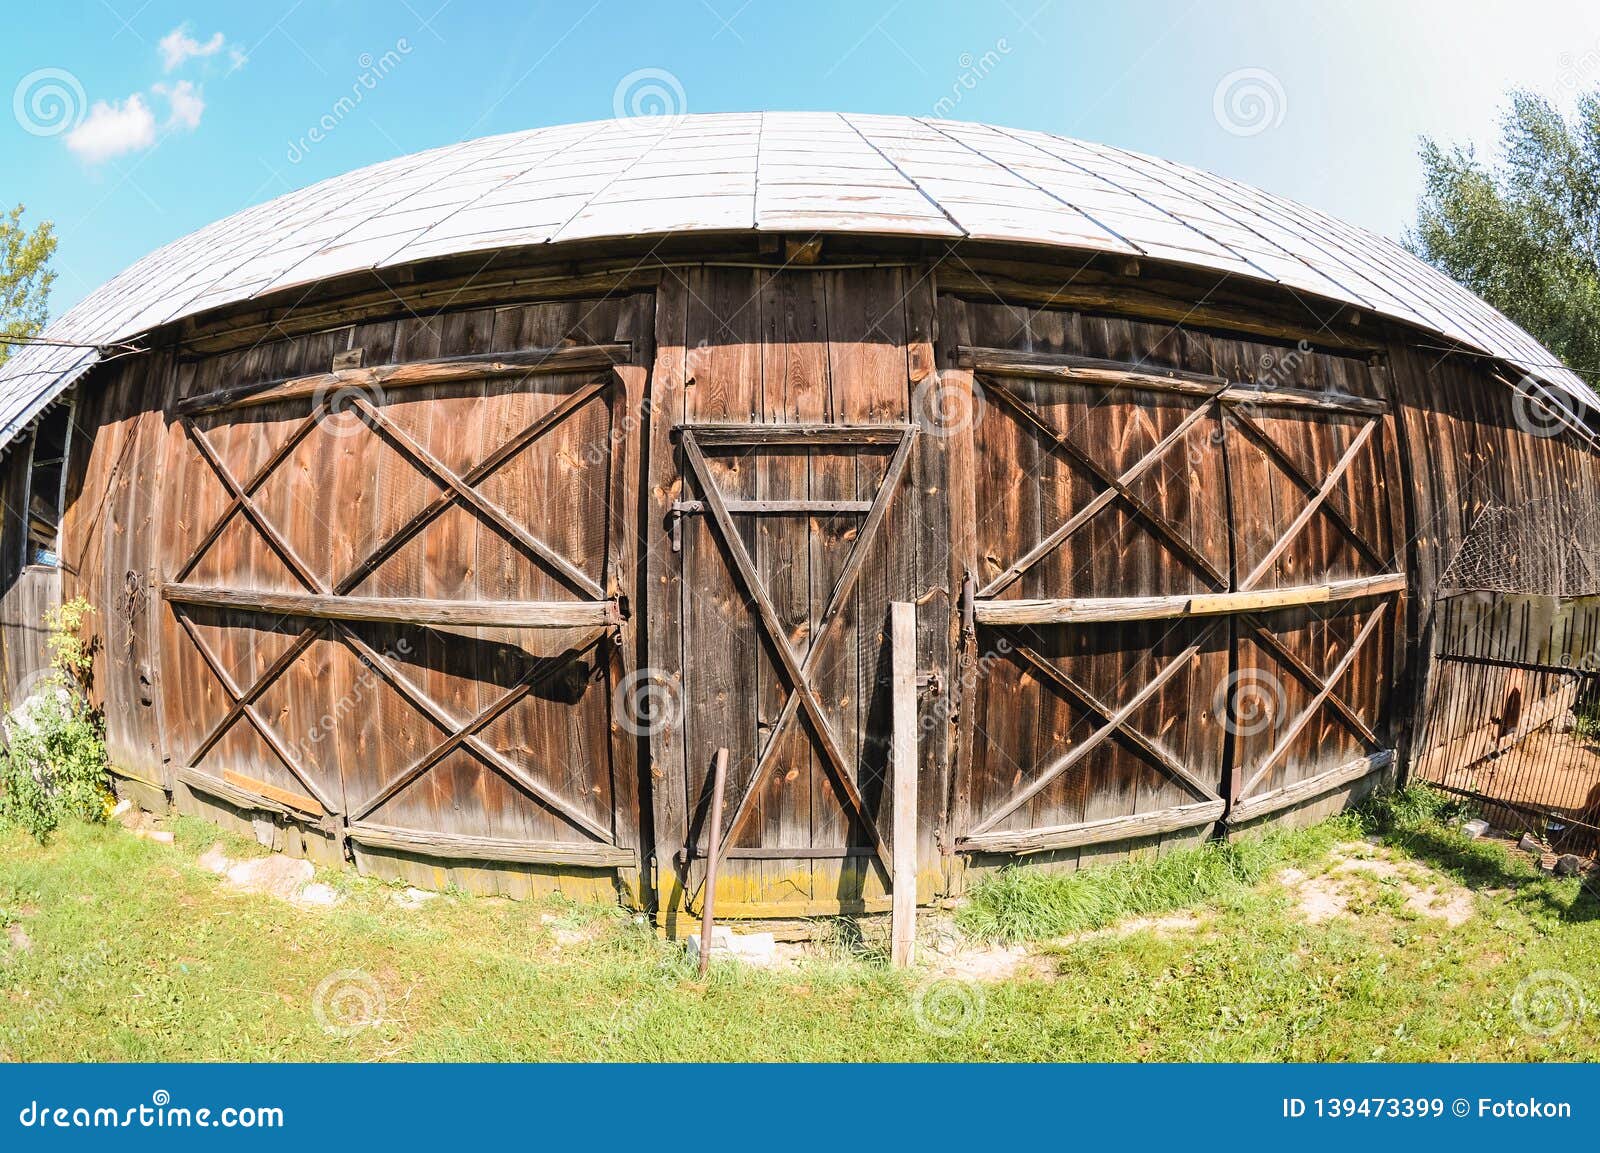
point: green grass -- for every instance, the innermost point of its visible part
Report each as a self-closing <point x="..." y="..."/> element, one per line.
<point x="1023" y="904"/>
<point x="138" y="954"/>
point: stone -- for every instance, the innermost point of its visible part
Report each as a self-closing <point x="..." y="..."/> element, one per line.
<point x="1475" y="829"/>
<point x="281" y="877"/>
<point x="1530" y="844"/>
<point x="1569" y="865"/>
<point x="214" y="860"/>
<point x="413" y="898"/>
<point x="318" y="894"/>
<point x="751" y="948"/>
<point x="159" y="836"/>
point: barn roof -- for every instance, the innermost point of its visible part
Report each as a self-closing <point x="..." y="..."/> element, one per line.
<point x="792" y="172"/>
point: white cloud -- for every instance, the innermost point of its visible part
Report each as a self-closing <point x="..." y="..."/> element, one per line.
<point x="113" y="129"/>
<point x="185" y="102"/>
<point x="177" y="46"/>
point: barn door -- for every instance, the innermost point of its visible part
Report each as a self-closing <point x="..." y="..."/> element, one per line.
<point x="1096" y="513"/>
<point x="396" y="613"/>
<point x="1184" y="588"/>
<point x="1313" y="486"/>
<point x="784" y="535"/>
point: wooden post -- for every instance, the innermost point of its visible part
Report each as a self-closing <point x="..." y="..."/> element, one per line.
<point x="719" y="780"/>
<point x="903" y="762"/>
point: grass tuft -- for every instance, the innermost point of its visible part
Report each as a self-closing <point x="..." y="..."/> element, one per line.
<point x="1027" y="904"/>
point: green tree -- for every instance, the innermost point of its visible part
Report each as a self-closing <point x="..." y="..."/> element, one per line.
<point x="25" y="277"/>
<point x="1525" y="234"/>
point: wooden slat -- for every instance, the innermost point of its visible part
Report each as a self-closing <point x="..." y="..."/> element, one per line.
<point x="1093" y="832"/>
<point x="903" y="770"/>
<point x="388" y="377"/>
<point x="404" y="610"/>
<point x="819" y="435"/>
<point x="1083" y="610"/>
<point x="1087" y="370"/>
<point x="287" y="797"/>
<point x="464" y="847"/>
<point x="1252" y="807"/>
<point x="235" y="795"/>
<point x="798" y="507"/>
<point x="1245" y="396"/>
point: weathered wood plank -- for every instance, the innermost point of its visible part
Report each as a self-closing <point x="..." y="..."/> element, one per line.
<point x="414" y="374"/>
<point x="1263" y="803"/>
<point x="1105" y="830"/>
<point x="468" y="847"/>
<point x="407" y="610"/>
<point x="1080" y="610"/>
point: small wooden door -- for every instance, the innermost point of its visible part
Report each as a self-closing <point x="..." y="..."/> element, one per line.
<point x="785" y="535"/>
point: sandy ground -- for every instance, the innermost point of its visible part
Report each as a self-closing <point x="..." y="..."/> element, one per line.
<point x="1354" y="865"/>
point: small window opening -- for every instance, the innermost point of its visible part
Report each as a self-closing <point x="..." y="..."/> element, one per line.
<point x="47" y="478"/>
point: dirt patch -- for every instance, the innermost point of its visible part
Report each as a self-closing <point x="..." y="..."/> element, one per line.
<point x="1329" y="894"/>
<point x="1173" y="924"/>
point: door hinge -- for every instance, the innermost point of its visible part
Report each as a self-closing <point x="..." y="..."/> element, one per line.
<point x="681" y="509"/>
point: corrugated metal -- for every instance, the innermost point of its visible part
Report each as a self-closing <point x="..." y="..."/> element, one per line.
<point x="771" y="171"/>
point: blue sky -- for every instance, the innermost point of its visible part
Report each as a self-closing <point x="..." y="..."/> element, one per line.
<point x="177" y="114"/>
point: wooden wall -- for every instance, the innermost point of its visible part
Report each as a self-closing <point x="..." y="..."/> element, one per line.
<point x="1238" y="467"/>
<point x="27" y="593"/>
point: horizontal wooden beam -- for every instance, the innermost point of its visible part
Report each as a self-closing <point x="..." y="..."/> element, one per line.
<point x="1087" y="370"/>
<point x="780" y="852"/>
<point x="402" y="610"/>
<point x="1093" y="832"/>
<point x="1085" y="610"/>
<point x="753" y="435"/>
<point x="304" y="810"/>
<point x="287" y="797"/>
<point x="462" y="847"/>
<point x="1250" y="808"/>
<point x="1246" y="396"/>
<point x="798" y="507"/>
<point x="388" y="377"/>
<point x="1123" y="374"/>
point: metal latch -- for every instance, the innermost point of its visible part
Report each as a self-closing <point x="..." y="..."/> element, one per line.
<point x="681" y="509"/>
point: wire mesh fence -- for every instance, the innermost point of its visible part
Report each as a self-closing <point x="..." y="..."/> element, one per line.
<point x="1522" y="739"/>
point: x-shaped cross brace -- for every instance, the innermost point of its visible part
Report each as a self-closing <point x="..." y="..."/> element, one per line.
<point x="1114" y="721"/>
<point x="1113" y="488"/>
<point x="453" y="487"/>
<point x="1324" y="694"/>
<point x="798" y="672"/>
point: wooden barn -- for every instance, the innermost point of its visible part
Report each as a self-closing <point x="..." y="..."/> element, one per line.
<point x="446" y="517"/>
